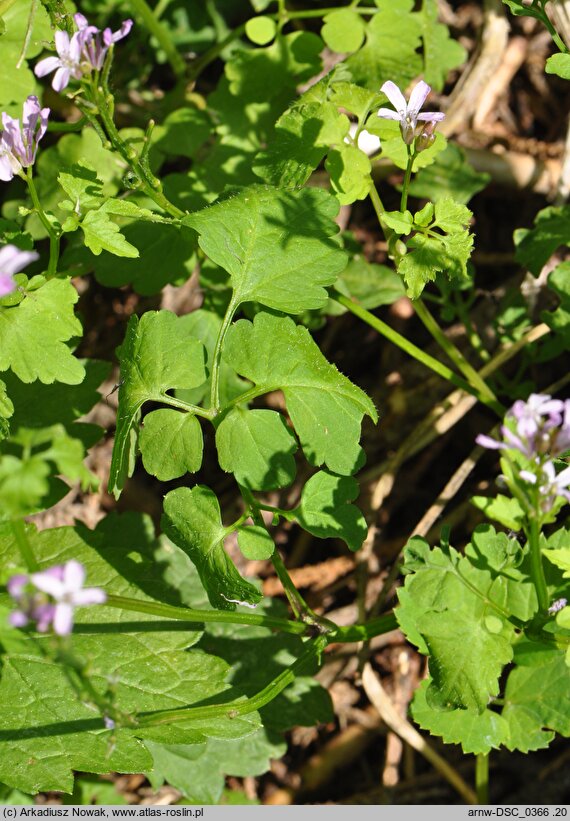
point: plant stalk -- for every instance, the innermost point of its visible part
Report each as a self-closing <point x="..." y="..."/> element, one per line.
<point x="24" y="546"/>
<point x="162" y="34"/>
<point x="215" y="387"/>
<point x="52" y="234"/>
<point x="482" y="778"/>
<point x="536" y="566"/>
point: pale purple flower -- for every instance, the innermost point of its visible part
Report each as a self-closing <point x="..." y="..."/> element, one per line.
<point x="19" y="143"/>
<point x="67" y="64"/>
<point x="96" y="43"/>
<point x="12" y="260"/>
<point x="541" y="426"/>
<point x="50" y="596"/>
<point x="81" y="53"/>
<point x="408" y="114"/>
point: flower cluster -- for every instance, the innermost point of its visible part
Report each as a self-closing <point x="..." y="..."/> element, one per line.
<point x="48" y="598"/>
<point x="12" y="260"/>
<point x="539" y="429"/>
<point x="19" y="143"/>
<point x="83" y="52"/>
<point x="408" y="114"/>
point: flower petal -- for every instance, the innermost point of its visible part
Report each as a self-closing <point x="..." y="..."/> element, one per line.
<point x="7" y="284"/>
<point x="62" y="43"/>
<point x="60" y="79"/>
<point x="431" y="117"/>
<point x="395" y="96"/>
<point x="73" y="576"/>
<point x="487" y="442"/>
<point x="46" y="66"/>
<point x="388" y="114"/>
<point x="16" y="260"/>
<point x="63" y="619"/>
<point x="48" y="582"/>
<point x="418" y="98"/>
<point x="90" y="595"/>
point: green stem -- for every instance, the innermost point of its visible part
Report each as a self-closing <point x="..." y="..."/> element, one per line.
<point x="24" y="546"/>
<point x="215" y="389"/>
<point x="478" y="385"/>
<point x="536" y="567"/>
<point x="52" y="234"/>
<point x="60" y="17"/>
<point x="239" y="708"/>
<point x="162" y="34"/>
<point x="76" y="126"/>
<point x="309" y="13"/>
<point x="298" y="604"/>
<point x="248" y="396"/>
<point x="190" y="615"/>
<point x="366" y="631"/>
<point x="407" y="175"/>
<point x="482" y="778"/>
<point x="149" y="183"/>
<point x="186" y="406"/>
<point x="401" y="342"/>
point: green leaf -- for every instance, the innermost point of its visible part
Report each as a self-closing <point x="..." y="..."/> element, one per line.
<point x="455" y="610"/>
<point x="441" y="53"/>
<point x="559" y="64"/>
<point x="343" y="30"/>
<point x="372" y="285"/>
<point x="182" y="132"/>
<point x="33" y="335"/>
<point x="158" y="354"/>
<point x="280" y="247"/>
<point x="171" y="444"/>
<point x="325" y="510"/>
<point x="302" y="135"/>
<point x="432" y="252"/>
<point x="325" y="407"/>
<point x="478" y="733"/>
<point x="257" y="447"/>
<point x="350" y="173"/>
<point x="390" y="51"/>
<point x="166" y="255"/>
<point x="535" y="246"/>
<point x="149" y="666"/>
<point x="17" y="80"/>
<point x="260" y="74"/>
<point x="205" y="325"/>
<point x="101" y="234"/>
<point x="261" y="30"/>
<point x="82" y="186"/>
<point x="502" y="509"/>
<point x="198" y="770"/>
<point x="559" y="282"/>
<point x="400" y="222"/>
<point x="450" y="174"/>
<point x="192" y="520"/>
<point x="536" y="705"/>
<point x="255" y="542"/>
<point x="359" y="101"/>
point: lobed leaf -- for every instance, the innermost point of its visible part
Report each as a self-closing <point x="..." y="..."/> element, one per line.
<point x="279" y="247"/>
<point x="158" y="354"/>
<point x="326" y="512"/>
<point x="192" y="520"/>
<point x="171" y="444"/>
<point x="325" y="407"/>
<point x="34" y="332"/>
<point x="257" y="447"/>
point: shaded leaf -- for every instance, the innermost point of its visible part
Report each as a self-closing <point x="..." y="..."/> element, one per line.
<point x="325" y="510"/>
<point x="171" y="444"/>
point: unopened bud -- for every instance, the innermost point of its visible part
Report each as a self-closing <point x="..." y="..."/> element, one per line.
<point x="426" y="138"/>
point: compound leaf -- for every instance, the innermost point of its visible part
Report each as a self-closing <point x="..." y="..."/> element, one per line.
<point x="279" y="246"/>
<point x="158" y="354"/>
<point x="325" y="407"/>
<point x="192" y="520"/>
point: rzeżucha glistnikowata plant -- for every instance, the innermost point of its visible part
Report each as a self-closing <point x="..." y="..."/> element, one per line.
<point x="119" y="682"/>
